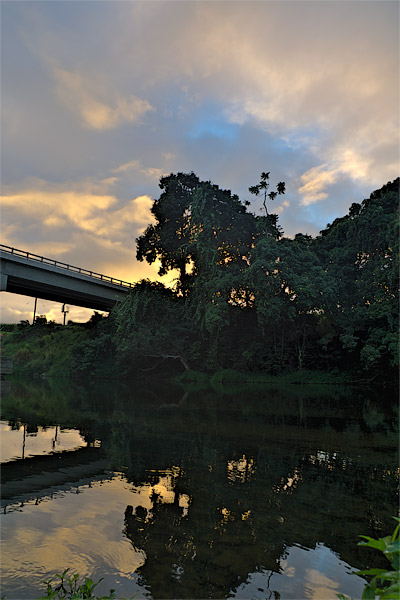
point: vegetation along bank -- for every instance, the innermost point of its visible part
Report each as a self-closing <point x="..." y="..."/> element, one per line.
<point x="247" y="302"/>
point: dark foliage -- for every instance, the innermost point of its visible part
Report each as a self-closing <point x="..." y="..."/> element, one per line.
<point x="249" y="299"/>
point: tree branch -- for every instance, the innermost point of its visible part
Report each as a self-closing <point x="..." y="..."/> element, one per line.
<point x="165" y="357"/>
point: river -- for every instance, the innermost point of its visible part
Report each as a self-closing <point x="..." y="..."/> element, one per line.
<point x="239" y="492"/>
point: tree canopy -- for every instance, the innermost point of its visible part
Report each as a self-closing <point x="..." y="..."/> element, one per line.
<point x="249" y="298"/>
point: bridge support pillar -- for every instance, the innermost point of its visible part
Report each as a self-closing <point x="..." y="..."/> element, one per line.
<point x="3" y="282"/>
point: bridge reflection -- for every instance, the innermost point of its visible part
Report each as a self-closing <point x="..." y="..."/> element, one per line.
<point x="36" y="477"/>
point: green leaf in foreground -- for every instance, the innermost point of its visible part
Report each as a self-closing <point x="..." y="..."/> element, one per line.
<point x="385" y="583"/>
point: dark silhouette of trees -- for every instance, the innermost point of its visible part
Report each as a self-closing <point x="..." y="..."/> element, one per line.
<point x="249" y="298"/>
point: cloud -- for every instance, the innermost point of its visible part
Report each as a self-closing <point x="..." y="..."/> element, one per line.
<point x="153" y="173"/>
<point x="111" y="225"/>
<point x="74" y="91"/>
<point x="281" y="207"/>
<point x="314" y="182"/>
<point x="83" y="205"/>
<point x="136" y="165"/>
<point x="306" y="90"/>
<point x="317" y="179"/>
<point x="56" y="206"/>
<point x="128" y="166"/>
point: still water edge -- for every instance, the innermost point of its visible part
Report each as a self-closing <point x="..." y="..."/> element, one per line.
<point x="169" y="493"/>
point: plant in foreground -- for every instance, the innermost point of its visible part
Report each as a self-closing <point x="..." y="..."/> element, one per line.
<point x="385" y="583"/>
<point x="64" y="586"/>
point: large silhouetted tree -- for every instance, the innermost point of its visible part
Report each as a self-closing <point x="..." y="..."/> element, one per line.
<point x="198" y="227"/>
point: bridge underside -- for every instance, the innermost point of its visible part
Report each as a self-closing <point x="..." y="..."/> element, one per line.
<point x="49" y="283"/>
<point x="27" y="288"/>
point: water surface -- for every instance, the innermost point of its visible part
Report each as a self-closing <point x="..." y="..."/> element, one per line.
<point x="250" y="492"/>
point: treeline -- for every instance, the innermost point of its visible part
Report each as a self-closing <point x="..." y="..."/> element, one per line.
<point x="248" y="298"/>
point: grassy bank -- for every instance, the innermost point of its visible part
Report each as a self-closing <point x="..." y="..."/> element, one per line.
<point x="42" y="350"/>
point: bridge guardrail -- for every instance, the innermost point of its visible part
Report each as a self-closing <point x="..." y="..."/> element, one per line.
<point x="65" y="266"/>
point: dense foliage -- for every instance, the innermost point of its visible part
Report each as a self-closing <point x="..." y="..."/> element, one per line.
<point x="50" y="350"/>
<point x="248" y="298"/>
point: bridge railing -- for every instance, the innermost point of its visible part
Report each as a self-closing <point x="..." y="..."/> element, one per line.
<point x="65" y="266"/>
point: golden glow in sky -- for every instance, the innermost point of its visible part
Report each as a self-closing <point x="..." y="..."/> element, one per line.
<point x="100" y="99"/>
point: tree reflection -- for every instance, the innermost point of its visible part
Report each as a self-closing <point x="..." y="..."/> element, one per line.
<point x="236" y="479"/>
<point x="245" y="511"/>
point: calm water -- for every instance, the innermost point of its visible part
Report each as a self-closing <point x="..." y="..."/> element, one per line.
<point x="170" y="493"/>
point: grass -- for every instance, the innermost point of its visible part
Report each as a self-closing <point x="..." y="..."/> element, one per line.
<point x="69" y="587"/>
<point x="64" y="586"/>
<point x="44" y="351"/>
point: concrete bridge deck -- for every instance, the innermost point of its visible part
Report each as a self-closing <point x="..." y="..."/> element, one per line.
<point x="33" y="275"/>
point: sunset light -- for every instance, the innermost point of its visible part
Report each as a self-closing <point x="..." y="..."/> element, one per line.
<point x="199" y="308"/>
<point x="99" y="100"/>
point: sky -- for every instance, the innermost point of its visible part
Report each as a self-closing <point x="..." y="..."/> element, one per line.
<point x="99" y="99"/>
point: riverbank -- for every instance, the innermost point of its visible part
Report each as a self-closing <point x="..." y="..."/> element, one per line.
<point x="57" y="351"/>
<point x="42" y="351"/>
<point x="231" y="376"/>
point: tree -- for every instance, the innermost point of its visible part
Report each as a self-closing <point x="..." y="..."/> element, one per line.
<point x="152" y="325"/>
<point x="359" y="254"/>
<point x="40" y="320"/>
<point x="198" y="227"/>
<point x="262" y="188"/>
<point x="247" y="297"/>
<point x="169" y="239"/>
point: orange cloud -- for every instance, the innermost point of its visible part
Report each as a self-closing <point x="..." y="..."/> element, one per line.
<point x="136" y="165"/>
<point x="55" y="206"/>
<point x="314" y="181"/>
<point x="84" y="204"/>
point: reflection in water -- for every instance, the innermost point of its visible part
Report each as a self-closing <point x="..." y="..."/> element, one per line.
<point x="82" y="531"/>
<point x="23" y="441"/>
<point x="261" y="493"/>
<point x="302" y="574"/>
<point x="240" y="470"/>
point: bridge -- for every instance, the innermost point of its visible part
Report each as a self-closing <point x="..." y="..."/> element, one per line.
<point x="27" y="479"/>
<point x="29" y="274"/>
